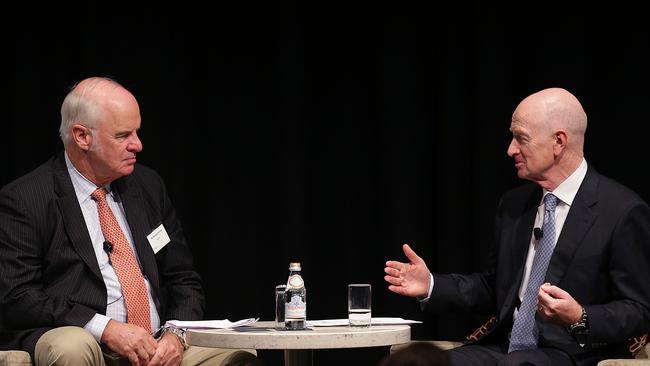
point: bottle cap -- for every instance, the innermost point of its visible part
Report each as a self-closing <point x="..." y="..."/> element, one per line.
<point x="294" y="266"/>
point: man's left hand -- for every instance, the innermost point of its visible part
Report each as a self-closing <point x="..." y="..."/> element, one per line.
<point x="169" y="351"/>
<point x="557" y="306"/>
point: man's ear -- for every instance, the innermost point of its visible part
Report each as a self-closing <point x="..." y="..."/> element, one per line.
<point x="561" y="141"/>
<point x="81" y="136"/>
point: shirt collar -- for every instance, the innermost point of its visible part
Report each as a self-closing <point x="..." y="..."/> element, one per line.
<point x="568" y="189"/>
<point x="82" y="186"/>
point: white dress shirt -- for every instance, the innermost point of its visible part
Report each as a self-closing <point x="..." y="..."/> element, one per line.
<point x="115" y="306"/>
<point x="565" y="193"/>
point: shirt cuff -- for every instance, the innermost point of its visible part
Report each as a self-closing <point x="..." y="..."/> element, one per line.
<point x="96" y="326"/>
<point x="426" y="299"/>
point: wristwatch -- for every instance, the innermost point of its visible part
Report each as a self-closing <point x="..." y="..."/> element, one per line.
<point x="179" y="332"/>
<point x="580" y="329"/>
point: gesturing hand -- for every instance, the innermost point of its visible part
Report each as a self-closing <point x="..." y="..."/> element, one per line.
<point x="409" y="279"/>
<point x="130" y="341"/>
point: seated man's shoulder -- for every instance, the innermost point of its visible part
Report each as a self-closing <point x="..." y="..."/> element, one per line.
<point x="32" y="182"/>
<point x="616" y="195"/>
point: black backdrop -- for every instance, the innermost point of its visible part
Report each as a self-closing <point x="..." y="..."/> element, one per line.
<point x="330" y="134"/>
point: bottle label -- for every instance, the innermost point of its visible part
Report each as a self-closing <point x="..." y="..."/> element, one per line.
<point x="295" y="281"/>
<point x="296" y="308"/>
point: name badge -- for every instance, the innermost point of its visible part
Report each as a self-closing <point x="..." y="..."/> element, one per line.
<point x="158" y="238"/>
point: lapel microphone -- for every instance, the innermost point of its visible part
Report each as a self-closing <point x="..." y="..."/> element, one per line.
<point x="108" y="247"/>
<point x="537" y="233"/>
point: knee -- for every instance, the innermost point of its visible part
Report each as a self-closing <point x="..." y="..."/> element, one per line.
<point x="243" y="358"/>
<point x="515" y="359"/>
<point x="67" y="346"/>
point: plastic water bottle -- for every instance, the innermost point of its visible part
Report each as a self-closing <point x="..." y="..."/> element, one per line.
<point x="295" y="313"/>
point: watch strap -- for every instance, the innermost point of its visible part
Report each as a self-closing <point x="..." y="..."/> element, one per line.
<point x="179" y="332"/>
<point x="581" y="324"/>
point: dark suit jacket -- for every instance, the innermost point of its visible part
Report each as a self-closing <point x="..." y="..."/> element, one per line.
<point x="602" y="258"/>
<point x="49" y="275"/>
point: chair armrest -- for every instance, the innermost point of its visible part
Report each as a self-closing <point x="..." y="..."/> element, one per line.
<point x="624" y="362"/>
<point x="15" y="358"/>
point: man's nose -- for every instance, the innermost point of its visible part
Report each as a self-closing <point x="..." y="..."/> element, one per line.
<point x="135" y="145"/>
<point x="512" y="148"/>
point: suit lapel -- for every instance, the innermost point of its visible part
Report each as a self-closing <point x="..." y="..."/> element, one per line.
<point x="73" y="219"/>
<point x="524" y="231"/>
<point x="580" y="218"/>
<point x="135" y="210"/>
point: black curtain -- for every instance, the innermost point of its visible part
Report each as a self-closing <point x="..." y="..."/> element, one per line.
<point x="328" y="133"/>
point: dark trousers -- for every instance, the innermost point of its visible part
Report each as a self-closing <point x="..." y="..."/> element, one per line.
<point x="493" y="355"/>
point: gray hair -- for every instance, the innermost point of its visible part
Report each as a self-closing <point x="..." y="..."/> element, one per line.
<point x="82" y="106"/>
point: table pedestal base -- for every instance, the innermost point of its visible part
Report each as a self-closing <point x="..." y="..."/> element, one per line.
<point x="298" y="357"/>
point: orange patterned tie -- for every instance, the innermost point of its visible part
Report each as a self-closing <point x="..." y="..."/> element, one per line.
<point x="125" y="265"/>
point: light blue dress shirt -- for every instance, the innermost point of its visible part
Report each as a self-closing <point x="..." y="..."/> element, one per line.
<point x="115" y="307"/>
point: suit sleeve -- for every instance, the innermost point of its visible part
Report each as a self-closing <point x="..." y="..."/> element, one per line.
<point x="23" y="247"/>
<point x="471" y="292"/>
<point x="628" y="314"/>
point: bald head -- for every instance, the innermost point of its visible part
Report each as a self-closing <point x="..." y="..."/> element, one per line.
<point x="88" y="102"/>
<point x="552" y="109"/>
<point x="548" y="130"/>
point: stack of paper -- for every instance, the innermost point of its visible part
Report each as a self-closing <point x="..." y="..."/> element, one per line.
<point x="211" y="324"/>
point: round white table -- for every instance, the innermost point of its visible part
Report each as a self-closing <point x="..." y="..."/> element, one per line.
<point x="298" y="345"/>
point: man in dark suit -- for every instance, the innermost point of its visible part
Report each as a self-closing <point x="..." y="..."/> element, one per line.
<point x="92" y="256"/>
<point x="567" y="280"/>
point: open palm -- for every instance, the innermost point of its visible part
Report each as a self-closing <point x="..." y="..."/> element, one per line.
<point x="409" y="279"/>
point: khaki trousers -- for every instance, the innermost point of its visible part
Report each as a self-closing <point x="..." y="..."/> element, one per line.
<point x="76" y="346"/>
